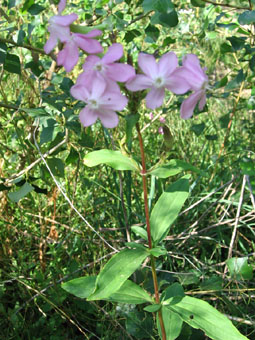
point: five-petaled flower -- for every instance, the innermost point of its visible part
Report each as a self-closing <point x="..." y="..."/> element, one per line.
<point x="157" y="77"/>
<point x="106" y="68"/>
<point x="102" y="101"/>
<point x="198" y="80"/>
<point x="59" y="30"/>
<point x="69" y="55"/>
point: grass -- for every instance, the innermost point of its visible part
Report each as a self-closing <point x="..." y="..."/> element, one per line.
<point x="44" y="242"/>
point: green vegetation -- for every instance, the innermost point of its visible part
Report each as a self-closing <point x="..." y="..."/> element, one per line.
<point x="67" y="205"/>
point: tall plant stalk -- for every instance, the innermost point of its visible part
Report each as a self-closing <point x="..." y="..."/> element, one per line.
<point x="147" y="218"/>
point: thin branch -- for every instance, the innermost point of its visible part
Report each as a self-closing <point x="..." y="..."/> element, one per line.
<point x="28" y="47"/>
<point x="13" y="177"/>
<point x="65" y="195"/>
<point x="225" y="5"/>
<point x="230" y="250"/>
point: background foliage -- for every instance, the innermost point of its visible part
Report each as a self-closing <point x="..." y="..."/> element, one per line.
<point x="210" y="249"/>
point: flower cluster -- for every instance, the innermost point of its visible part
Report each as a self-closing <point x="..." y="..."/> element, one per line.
<point x="97" y="85"/>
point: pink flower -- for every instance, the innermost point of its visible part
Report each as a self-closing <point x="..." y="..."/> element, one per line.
<point x="198" y="80"/>
<point x="162" y="120"/>
<point x="59" y="30"/>
<point x="102" y="101"/>
<point x="61" y="6"/>
<point x="151" y="115"/>
<point x="157" y="77"/>
<point x="69" y="55"/>
<point x="106" y="68"/>
<point x="160" y="130"/>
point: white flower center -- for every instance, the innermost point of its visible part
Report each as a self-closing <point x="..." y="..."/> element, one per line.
<point x="158" y="82"/>
<point x="93" y="104"/>
<point x="99" y="67"/>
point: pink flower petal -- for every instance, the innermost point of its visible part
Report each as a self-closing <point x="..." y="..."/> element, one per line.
<point x="50" y="44"/>
<point x="202" y="102"/>
<point x="90" y="62"/>
<point x="93" y="34"/>
<point x="63" y="20"/>
<point x="69" y="56"/>
<point x="177" y="84"/>
<point x="191" y="62"/>
<point x="98" y="88"/>
<point x="155" y="98"/>
<point x="60" y="32"/>
<point x="115" y="52"/>
<point x="61" y="6"/>
<point x="88" y="117"/>
<point x="86" y="44"/>
<point x="167" y="64"/>
<point x="140" y="82"/>
<point x="196" y="76"/>
<point x="189" y="104"/>
<point x="80" y="92"/>
<point x="113" y="101"/>
<point x="108" y="118"/>
<point x="120" y="72"/>
<point x="148" y="65"/>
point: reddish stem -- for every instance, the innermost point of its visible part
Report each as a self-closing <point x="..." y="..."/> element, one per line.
<point x="147" y="218"/>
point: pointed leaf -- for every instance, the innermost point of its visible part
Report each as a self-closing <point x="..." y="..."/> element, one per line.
<point x="140" y="232"/>
<point x="130" y="292"/>
<point x="168" y="207"/>
<point x="117" y="271"/>
<point x="115" y="159"/>
<point x="15" y="196"/>
<point x="81" y="287"/>
<point x="239" y="268"/>
<point x="174" y="167"/>
<point x="173" y="324"/>
<point x="152" y="308"/>
<point x="158" y="251"/>
<point x="199" y="314"/>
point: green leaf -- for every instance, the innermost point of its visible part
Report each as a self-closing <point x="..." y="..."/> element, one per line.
<point x="174" y="167"/>
<point x="246" y="18"/>
<point x="135" y="245"/>
<point x="174" y="290"/>
<point x="115" y="159"/>
<point x="158" y="251"/>
<point x="35" y="9"/>
<point x="239" y="268"/>
<point x="152" y="32"/>
<point x="15" y="196"/>
<point x="173" y="324"/>
<point x="38" y="112"/>
<point x="199" y="314"/>
<point x="12" y="63"/>
<point x="152" y="308"/>
<point x="117" y="271"/>
<point x="131" y="293"/>
<point x="168" y="207"/>
<point x="213" y="283"/>
<point x="140" y="232"/>
<point x="162" y="6"/>
<point x="248" y="167"/>
<point x="57" y="166"/>
<point x="49" y="131"/>
<point x="234" y="83"/>
<point x="197" y="3"/>
<point x="169" y="19"/>
<point x="3" y="51"/>
<point x="237" y="42"/>
<point x="198" y="128"/>
<point x="81" y="287"/>
<point x="73" y="157"/>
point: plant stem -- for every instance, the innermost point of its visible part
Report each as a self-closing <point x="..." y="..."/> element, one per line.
<point x="147" y="217"/>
